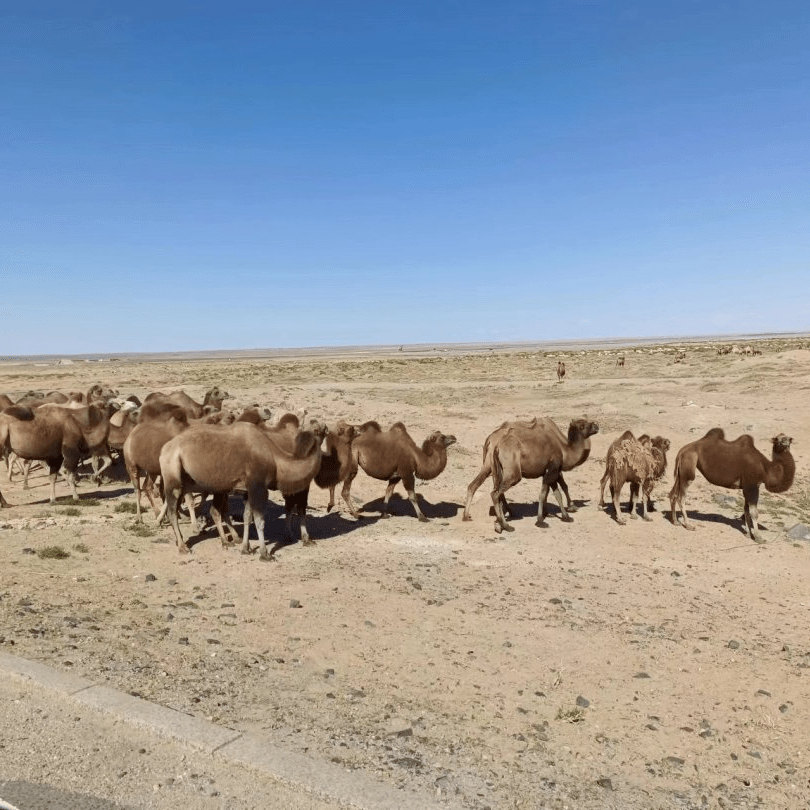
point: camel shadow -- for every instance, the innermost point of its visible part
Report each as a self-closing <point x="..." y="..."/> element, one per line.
<point x="402" y="507"/>
<point x="714" y="517"/>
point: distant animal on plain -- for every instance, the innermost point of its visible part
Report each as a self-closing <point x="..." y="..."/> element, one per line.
<point x="560" y="371"/>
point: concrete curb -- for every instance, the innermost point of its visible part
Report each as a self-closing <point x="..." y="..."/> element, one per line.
<point x="322" y="779"/>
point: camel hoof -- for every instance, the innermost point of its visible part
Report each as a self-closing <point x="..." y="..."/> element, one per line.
<point x="308" y="542"/>
<point x="268" y="558"/>
<point x="573" y="508"/>
<point x="689" y="528"/>
<point x="648" y="519"/>
<point x="466" y="518"/>
<point x="566" y="519"/>
<point x="621" y="521"/>
<point x="423" y="519"/>
<point x="541" y="524"/>
<point x="384" y="515"/>
<point x="633" y="516"/>
<point x="498" y="527"/>
<point x="184" y="549"/>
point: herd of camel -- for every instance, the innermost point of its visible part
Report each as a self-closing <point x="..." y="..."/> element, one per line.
<point x="174" y="447"/>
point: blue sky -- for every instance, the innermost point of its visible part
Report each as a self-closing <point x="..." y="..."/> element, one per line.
<point x="194" y="175"/>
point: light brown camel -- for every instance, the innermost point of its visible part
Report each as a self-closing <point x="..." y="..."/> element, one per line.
<point x="52" y="436"/>
<point x="642" y="463"/>
<point x="620" y="361"/>
<point x="240" y="456"/>
<point x="336" y="463"/>
<point x="393" y="456"/>
<point x="733" y="465"/>
<point x="256" y="415"/>
<point x="142" y="457"/>
<point x="575" y="449"/>
<point x="518" y="454"/>
<point x="560" y="371"/>
<point x="158" y="403"/>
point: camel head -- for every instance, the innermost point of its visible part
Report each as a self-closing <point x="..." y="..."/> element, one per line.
<point x="438" y="438"/>
<point x="345" y="431"/>
<point x="781" y="443"/>
<point x="661" y="443"/>
<point x="583" y="427"/>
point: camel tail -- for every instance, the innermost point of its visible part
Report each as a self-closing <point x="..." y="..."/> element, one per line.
<point x="676" y="475"/>
<point x="497" y="469"/>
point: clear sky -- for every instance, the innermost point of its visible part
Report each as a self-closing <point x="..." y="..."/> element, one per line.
<point x="194" y="175"/>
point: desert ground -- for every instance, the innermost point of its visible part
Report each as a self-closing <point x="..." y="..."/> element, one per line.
<point x="581" y="665"/>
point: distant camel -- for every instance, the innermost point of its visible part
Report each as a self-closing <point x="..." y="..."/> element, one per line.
<point x="733" y="465"/>
<point x="620" y="361"/>
<point x="393" y="456"/>
<point x="575" y="449"/>
<point x="640" y="461"/>
<point x="560" y="371"/>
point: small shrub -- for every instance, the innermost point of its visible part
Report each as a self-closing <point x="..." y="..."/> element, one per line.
<point x="127" y="507"/>
<point x="67" y="500"/>
<point x="52" y="553"/>
<point x="69" y="511"/>
<point x="575" y="715"/>
<point x="139" y="529"/>
<point x="81" y="548"/>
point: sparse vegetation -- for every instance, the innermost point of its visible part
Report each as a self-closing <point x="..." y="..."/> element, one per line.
<point x="82" y="548"/>
<point x="139" y="529"/>
<point x="126" y="507"/>
<point x="52" y="553"/>
<point x="69" y="511"/>
<point x="67" y="500"/>
<point x="574" y="715"/>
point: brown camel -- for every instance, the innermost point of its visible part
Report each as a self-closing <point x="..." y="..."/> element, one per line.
<point x="733" y="465"/>
<point x="336" y="463"/>
<point x="240" y="456"/>
<point x="560" y="371"/>
<point x="52" y="436"/>
<point x="256" y="415"/>
<point x="620" y="361"/>
<point x="575" y="449"/>
<point x="394" y="456"/>
<point x="141" y="450"/>
<point x="158" y="403"/>
<point x="641" y="462"/>
<point x="518" y="454"/>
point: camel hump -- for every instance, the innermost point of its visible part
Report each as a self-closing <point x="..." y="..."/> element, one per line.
<point x="715" y="433"/>
<point x="21" y="412"/>
<point x="288" y="420"/>
<point x="371" y="425"/>
<point x="628" y="434"/>
<point x="398" y="427"/>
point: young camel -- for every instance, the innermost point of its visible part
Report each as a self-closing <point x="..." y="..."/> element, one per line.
<point x="52" y="436"/>
<point x="575" y="449"/>
<point x="640" y="461"/>
<point x="240" y="456"/>
<point x="734" y="465"/>
<point x="394" y="456"/>
<point x="519" y="454"/>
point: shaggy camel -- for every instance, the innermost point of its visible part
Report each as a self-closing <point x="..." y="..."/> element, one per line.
<point x="575" y="449"/>
<point x="240" y="456"/>
<point x="733" y="465"/>
<point x="157" y="403"/>
<point x="50" y="435"/>
<point x="640" y="461"/>
<point x="560" y="371"/>
<point x="519" y="454"/>
<point x="336" y="463"/>
<point x="620" y="361"/>
<point x="393" y="456"/>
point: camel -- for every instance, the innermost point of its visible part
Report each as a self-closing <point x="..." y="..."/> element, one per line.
<point x="393" y="456"/>
<point x="620" y="361"/>
<point x="240" y="456"/>
<point x="336" y="462"/>
<point x="142" y="455"/>
<point x="256" y="415"/>
<point x="575" y="449"/>
<point x="640" y="461"/>
<point x="560" y="371"/>
<point x="733" y="465"/>
<point x="157" y="403"/>
<point x="50" y="435"/>
<point x="518" y="454"/>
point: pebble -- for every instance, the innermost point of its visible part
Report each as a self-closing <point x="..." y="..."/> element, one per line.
<point x="294" y="603"/>
<point x="641" y="675"/>
<point x="605" y="782"/>
<point x="150" y="578"/>
<point x="801" y="531"/>
<point x="733" y="645"/>
<point x="583" y="702"/>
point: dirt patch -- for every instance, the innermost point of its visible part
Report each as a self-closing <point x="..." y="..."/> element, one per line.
<point x="586" y="665"/>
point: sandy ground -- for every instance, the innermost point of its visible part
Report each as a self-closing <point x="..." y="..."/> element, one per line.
<point x="584" y="665"/>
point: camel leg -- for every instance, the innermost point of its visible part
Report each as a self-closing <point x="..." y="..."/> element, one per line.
<point x="26" y="470"/>
<point x="646" y="492"/>
<point x="479" y="479"/>
<point x="389" y="491"/>
<point x="634" y="490"/>
<point x="616" y="492"/>
<point x="247" y="517"/>
<point x="504" y="477"/>
<point x="569" y="504"/>
<point x="189" y="501"/>
<point x="300" y="504"/>
<point x="346" y="494"/>
<point x="408" y="482"/>
<point x="564" y="516"/>
<point x="331" y="503"/>
<point x="4" y="504"/>
<point x="751" y="514"/>
<point x="677" y="495"/>
<point x="602" y="483"/>
<point x="220" y="515"/>
<point x="172" y="496"/>
<point x="107" y="463"/>
<point x="500" y="520"/>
